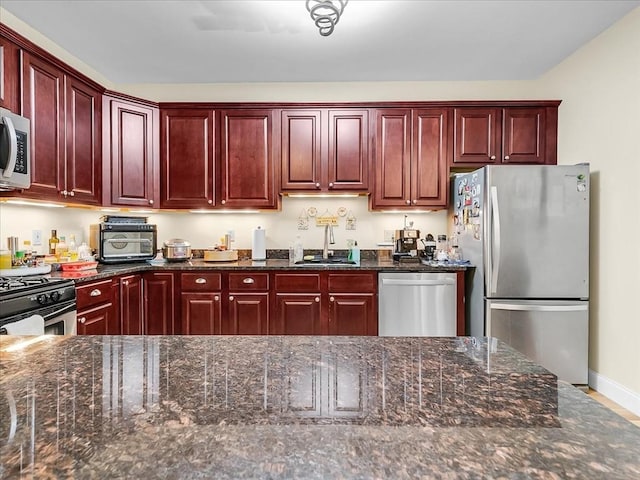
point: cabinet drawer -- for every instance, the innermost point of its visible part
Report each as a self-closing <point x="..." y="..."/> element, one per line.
<point x="201" y="282"/>
<point x="297" y="282"/>
<point x="248" y="281"/>
<point x="355" y="282"/>
<point x="94" y="294"/>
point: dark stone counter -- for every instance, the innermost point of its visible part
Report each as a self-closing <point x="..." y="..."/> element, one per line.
<point x="106" y="271"/>
<point x="299" y="407"/>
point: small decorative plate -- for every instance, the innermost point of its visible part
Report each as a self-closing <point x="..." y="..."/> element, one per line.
<point x="342" y="211"/>
<point x="312" y="211"/>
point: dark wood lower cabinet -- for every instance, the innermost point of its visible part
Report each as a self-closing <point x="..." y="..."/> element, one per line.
<point x="131" y="305"/>
<point x="159" y="303"/>
<point x="353" y="314"/>
<point x="201" y="314"/>
<point x="296" y="314"/>
<point x="248" y="314"/>
<point x="101" y="320"/>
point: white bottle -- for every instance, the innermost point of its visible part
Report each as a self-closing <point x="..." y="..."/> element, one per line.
<point x="298" y="250"/>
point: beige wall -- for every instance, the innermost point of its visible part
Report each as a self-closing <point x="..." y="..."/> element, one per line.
<point x="598" y="123"/>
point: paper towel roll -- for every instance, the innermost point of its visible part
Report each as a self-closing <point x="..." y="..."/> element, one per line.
<point x="259" y="245"/>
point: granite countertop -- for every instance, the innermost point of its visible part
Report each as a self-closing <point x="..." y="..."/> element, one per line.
<point x="106" y="271"/>
<point x="299" y="407"/>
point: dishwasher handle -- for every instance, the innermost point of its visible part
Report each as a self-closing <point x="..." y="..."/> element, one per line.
<point x="411" y="283"/>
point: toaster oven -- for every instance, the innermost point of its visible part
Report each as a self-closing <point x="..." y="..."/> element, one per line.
<point x="123" y="242"/>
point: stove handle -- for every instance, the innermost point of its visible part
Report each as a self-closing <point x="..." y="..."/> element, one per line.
<point x="66" y="309"/>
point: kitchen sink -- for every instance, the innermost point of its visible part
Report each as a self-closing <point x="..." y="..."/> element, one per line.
<point x="331" y="261"/>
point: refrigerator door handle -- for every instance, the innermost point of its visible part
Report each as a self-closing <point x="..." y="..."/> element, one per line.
<point x="539" y="308"/>
<point x="495" y="251"/>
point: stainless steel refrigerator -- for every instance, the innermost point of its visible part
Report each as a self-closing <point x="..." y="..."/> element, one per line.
<point x="526" y="230"/>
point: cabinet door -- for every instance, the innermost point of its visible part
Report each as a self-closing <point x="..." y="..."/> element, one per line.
<point x="248" y="314"/>
<point x="247" y="161"/>
<point x="352" y="314"/>
<point x="348" y="155"/>
<point x="130" y="153"/>
<point x="187" y="176"/>
<point x="131" y="305"/>
<point x="392" y="159"/>
<point x="296" y="314"/>
<point x="201" y="313"/>
<point x="477" y="135"/>
<point x="301" y="150"/>
<point x="83" y="179"/>
<point x="43" y="104"/>
<point x="524" y="135"/>
<point x="9" y="75"/>
<point x="429" y="158"/>
<point x="159" y="306"/>
<point x="101" y="320"/>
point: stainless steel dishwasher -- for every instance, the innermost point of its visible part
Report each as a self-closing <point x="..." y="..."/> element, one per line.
<point x="412" y="304"/>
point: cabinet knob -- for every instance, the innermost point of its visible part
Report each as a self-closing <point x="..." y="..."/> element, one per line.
<point x="125" y="282"/>
<point x="331" y="299"/>
<point x="317" y="185"/>
<point x="216" y="297"/>
<point x="248" y="280"/>
<point x="201" y="280"/>
<point x="82" y="319"/>
<point x="408" y="202"/>
<point x="492" y="157"/>
<point x="317" y="299"/>
<point x="64" y="192"/>
<point x="330" y="184"/>
<point x="506" y="157"/>
<point x="415" y="201"/>
<point x="95" y="293"/>
<point x="231" y="298"/>
<point x="223" y="202"/>
<point x="150" y="202"/>
<point x="72" y="193"/>
<point x="210" y="202"/>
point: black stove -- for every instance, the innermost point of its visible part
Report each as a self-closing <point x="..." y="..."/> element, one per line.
<point x="35" y="294"/>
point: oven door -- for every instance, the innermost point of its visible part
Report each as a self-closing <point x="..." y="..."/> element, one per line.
<point x="127" y="246"/>
<point x="59" y="319"/>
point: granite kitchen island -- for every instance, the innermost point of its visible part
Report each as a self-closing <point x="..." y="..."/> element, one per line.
<point x="299" y="407"/>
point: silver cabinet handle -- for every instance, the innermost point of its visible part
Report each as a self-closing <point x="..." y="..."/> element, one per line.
<point x="492" y="157"/>
<point x="248" y="280"/>
<point x="64" y="193"/>
<point x="331" y="299"/>
<point x="506" y="157"/>
<point x="95" y="293"/>
<point x="223" y="202"/>
<point x="408" y="202"/>
<point x="216" y="297"/>
<point x="210" y="202"/>
<point x="317" y="299"/>
<point x="539" y="308"/>
<point x="330" y="184"/>
<point x="150" y="202"/>
<point x="201" y="280"/>
<point x="82" y="319"/>
<point x="231" y="298"/>
<point x="72" y="193"/>
<point x="317" y="185"/>
<point x="495" y="254"/>
<point x="415" y="201"/>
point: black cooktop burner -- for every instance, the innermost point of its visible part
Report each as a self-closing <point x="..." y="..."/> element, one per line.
<point x="16" y="283"/>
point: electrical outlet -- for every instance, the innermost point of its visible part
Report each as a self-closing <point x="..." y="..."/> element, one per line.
<point x="36" y="237"/>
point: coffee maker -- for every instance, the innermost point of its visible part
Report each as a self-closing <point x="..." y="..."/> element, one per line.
<point x="406" y="244"/>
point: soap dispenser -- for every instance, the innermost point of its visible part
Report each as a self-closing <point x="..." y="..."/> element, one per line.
<point x="354" y="253"/>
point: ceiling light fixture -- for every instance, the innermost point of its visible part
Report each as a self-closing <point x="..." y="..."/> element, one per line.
<point x="326" y="14"/>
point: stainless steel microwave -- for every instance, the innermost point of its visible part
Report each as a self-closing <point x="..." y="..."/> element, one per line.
<point x="123" y="242"/>
<point x="15" y="169"/>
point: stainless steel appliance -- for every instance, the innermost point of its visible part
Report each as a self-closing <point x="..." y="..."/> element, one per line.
<point x="176" y="250"/>
<point x="122" y="241"/>
<point x="15" y="169"/>
<point x="413" y="304"/>
<point x="54" y="299"/>
<point x="526" y="231"/>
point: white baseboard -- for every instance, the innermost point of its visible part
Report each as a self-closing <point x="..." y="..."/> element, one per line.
<point x="614" y="391"/>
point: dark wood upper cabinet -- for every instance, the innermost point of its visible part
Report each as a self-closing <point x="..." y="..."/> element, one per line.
<point x="247" y="168"/>
<point x="187" y="158"/>
<point x="131" y="164"/>
<point x="324" y="150"/>
<point x="509" y="135"/>
<point x="44" y="105"/>
<point x="10" y="75"/>
<point x="83" y="167"/>
<point x="411" y="157"/>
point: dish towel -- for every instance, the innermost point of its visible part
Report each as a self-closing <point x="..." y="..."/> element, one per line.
<point x="33" y="325"/>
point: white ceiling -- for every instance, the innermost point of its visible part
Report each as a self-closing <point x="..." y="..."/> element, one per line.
<point x="212" y="41"/>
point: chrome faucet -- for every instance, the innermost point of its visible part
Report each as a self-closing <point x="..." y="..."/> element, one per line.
<point x="328" y="239"/>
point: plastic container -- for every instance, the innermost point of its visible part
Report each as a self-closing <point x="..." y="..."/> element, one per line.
<point x="5" y="259"/>
<point x="298" y="250"/>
